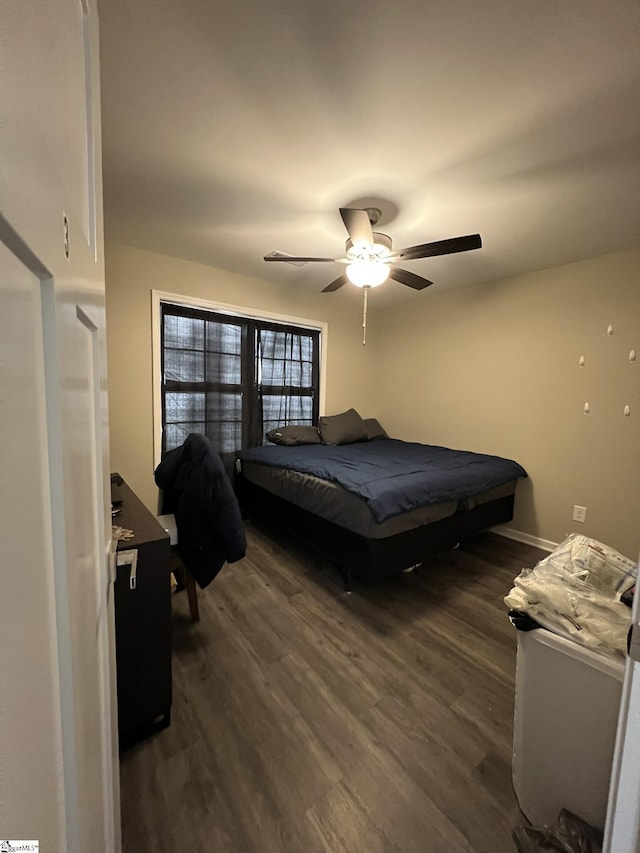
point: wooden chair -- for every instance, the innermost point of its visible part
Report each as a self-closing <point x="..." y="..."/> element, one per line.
<point x="189" y="582"/>
<point x="178" y="567"/>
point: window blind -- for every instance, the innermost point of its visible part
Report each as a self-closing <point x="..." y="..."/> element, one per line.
<point x="234" y="378"/>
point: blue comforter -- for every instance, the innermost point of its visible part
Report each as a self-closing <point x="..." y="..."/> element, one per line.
<point x="394" y="476"/>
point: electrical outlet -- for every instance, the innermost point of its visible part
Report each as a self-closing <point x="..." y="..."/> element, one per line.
<point x="580" y="514"/>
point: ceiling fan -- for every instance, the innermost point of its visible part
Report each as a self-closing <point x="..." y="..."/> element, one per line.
<point x="370" y="257"/>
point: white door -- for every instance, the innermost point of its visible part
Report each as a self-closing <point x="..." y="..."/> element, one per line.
<point x="58" y="744"/>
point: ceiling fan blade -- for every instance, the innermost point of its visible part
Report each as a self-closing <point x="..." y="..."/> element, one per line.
<point x="439" y="247"/>
<point x="290" y="259"/>
<point x="409" y="278"/>
<point x="357" y="224"/>
<point x="336" y="284"/>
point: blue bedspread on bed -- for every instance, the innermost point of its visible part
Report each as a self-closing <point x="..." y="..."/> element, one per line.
<point x="394" y="476"/>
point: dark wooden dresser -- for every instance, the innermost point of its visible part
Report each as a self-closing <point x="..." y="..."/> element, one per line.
<point x="143" y="619"/>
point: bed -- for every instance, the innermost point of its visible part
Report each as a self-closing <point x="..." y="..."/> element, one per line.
<point x="377" y="507"/>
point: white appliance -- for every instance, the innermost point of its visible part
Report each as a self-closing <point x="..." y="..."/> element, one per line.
<point x="566" y="714"/>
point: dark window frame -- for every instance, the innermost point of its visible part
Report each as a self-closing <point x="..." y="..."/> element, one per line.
<point x="251" y="391"/>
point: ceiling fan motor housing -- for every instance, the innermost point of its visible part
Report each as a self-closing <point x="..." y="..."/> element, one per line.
<point x="378" y="251"/>
<point x="374" y="214"/>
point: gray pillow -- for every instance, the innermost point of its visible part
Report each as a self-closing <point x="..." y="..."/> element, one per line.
<point x="374" y="430"/>
<point x="294" y="434"/>
<point x="344" y="428"/>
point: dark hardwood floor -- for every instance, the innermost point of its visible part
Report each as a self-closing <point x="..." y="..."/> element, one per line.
<point x="308" y="720"/>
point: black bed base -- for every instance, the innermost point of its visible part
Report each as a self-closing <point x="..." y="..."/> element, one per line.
<point x="371" y="560"/>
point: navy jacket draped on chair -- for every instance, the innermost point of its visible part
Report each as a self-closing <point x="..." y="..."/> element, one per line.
<point x="199" y="493"/>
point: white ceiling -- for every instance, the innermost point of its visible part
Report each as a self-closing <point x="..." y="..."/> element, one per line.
<point x="232" y="129"/>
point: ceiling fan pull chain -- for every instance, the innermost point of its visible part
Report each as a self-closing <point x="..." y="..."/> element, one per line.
<point x="365" y="291"/>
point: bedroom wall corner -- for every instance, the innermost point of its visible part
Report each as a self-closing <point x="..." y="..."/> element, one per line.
<point x="496" y="368"/>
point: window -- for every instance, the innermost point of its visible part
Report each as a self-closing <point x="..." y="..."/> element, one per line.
<point x="234" y="378"/>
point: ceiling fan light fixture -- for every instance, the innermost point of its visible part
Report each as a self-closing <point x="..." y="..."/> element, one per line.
<point x="367" y="273"/>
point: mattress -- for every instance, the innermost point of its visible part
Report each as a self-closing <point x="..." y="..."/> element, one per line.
<point x="394" y="477"/>
<point x="346" y="509"/>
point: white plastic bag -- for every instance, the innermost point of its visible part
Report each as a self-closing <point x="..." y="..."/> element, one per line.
<point x="575" y="591"/>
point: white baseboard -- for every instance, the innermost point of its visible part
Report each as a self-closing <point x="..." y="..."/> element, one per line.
<point x="526" y="538"/>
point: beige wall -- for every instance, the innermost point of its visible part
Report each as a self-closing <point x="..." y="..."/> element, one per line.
<point x="494" y="368"/>
<point x="132" y="274"/>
